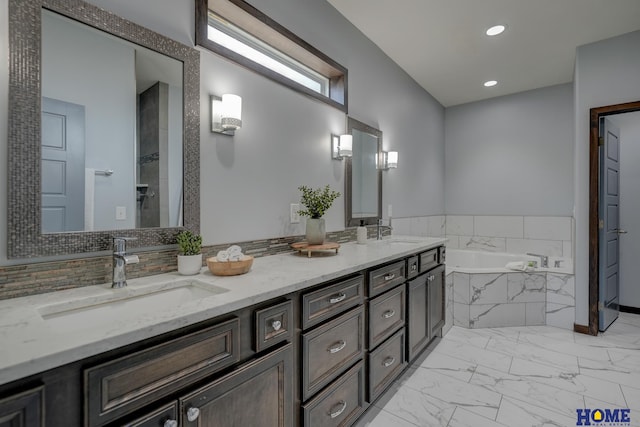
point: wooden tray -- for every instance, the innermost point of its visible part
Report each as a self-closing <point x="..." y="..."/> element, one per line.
<point x="305" y="247"/>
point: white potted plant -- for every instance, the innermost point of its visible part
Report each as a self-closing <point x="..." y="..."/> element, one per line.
<point x="190" y="257"/>
<point x="317" y="202"/>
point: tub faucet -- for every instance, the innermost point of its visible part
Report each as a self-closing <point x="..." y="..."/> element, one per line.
<point x="120" y="260"/>
<point x="544" y="260"/>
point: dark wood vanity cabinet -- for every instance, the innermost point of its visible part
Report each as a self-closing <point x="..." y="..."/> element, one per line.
<point x="25" y="409"/>
<point x="426" y="309"/>
<point x="259" y="393"/>
<point x="317" y="357"/>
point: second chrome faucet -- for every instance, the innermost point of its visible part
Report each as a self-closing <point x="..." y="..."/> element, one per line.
<point x="120" y="260"/>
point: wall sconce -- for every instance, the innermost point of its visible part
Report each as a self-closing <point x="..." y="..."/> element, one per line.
<point x="341" y="146"/>
<point x="388" y="160"/>
<point x="226" y="113"/>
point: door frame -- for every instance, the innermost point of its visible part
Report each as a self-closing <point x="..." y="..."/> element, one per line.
<point x="594" y="199"/>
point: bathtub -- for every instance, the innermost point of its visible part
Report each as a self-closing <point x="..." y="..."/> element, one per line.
<point x="467" y="261"/>
<point x="481" y="292"/>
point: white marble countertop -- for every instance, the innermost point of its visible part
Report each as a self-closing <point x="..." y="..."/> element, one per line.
<point x="29" y="344"/>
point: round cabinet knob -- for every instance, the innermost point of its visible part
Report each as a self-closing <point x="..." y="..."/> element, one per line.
<point x="193" y="414"/>
<point x="276" y="325"/>
<point x="170" y="423"/>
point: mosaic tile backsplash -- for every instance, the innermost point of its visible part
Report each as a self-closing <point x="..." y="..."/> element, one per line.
<point x="37" y="278"/>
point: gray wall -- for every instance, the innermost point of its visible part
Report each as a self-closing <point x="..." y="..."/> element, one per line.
<point x="511" y="155"/>
<point x="629" y="125"/>
<point x="606" y="73"/>
<point x="248" y="181"/>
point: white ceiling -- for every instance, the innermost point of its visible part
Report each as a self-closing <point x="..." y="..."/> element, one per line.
<point x="442" y="45"/>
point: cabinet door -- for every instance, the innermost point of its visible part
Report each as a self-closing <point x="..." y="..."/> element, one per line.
<point x="259" y="393"/>
<point x="23" y="409"/>
<point x="417" y="325"/>
<point x="435" y="280"/>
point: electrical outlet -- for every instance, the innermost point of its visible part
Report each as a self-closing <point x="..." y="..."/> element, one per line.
<point x="389" y="211"/>
<point x="293" y="213"/>
<point x="121" y="212"/>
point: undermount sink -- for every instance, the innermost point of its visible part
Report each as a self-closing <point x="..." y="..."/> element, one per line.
<point x="125" y="304"/>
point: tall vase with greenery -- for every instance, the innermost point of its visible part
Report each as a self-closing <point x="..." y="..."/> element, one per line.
<point x="316" y="202"/>
<point x="190" y="257"/>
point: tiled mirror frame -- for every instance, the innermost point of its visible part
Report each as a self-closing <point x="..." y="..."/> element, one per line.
<point x="25" y="239"/>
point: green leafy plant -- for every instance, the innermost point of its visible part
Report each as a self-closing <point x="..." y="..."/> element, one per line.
<point x="189" y="243"/>
<point x="316" y="201"/>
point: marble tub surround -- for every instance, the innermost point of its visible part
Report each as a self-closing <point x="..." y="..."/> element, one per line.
<point x="31" y="345"/>
<point x="522" y="376"/>
<point x="486" y="300"/>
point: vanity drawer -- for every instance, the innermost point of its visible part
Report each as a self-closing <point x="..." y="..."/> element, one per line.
<point x="331" y="300"/>
<point x="118" y="387"/>
<point x="386" y="314"/>
<point x="428" y="260"/>
<point x="386" y="363"/>
<point x="157" y="418"/>
<point x="413" y="266"/>
<point x="340" y="404"/>
<point x="385" y="278"/>
<point x="329" y="350"/>
<point x="273" y="325"/>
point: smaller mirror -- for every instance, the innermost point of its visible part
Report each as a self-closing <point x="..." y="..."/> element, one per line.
<point x="363" y="179"/>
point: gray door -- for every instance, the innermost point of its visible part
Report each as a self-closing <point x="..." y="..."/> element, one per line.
<point x="609" y="206"/>
<point x="62" y="166"/>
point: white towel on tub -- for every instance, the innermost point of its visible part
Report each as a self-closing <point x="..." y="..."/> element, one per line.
<point x="518" y="266"/>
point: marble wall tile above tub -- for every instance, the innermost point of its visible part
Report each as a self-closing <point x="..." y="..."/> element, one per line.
<point x="535" y="313"/>
<point x="547" y="228"/>
<point x="488" y="288"/>
<point x="459" y="225"/>
<point x="499" y="226"/>
<point x="453" y="242"/>
<point x="543" y="247"/>
<point x="496" y="315"/>
<point x="436" y="226"/>
<point x="526" y="287"/>
<point x="487" y="244"/>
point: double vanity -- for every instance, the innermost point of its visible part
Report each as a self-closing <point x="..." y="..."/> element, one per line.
<point x="296" y="341"/>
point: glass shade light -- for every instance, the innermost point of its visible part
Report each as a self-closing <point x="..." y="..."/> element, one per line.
<point x="392" y="160"/>
<point x="226" y="113"/>
<point x="346" y="146"/>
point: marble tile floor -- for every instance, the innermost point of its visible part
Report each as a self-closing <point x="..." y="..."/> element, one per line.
<point x="516" y="377"/>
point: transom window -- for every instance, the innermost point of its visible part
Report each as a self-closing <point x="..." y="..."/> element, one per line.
<point x="238" y="31"/>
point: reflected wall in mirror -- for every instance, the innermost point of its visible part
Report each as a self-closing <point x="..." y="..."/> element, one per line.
<point x="111" y="131"/>
<point x="103" y="131"/>
<point x="363" y="179"/>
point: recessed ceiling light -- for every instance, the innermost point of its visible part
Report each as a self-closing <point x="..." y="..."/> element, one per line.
<point x="490" y="83"/>
<point x="495" y="30"/>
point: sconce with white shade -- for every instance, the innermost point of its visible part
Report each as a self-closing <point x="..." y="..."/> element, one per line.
<point x="226" y="113"/>
<point x="388" y="160"/>
<point x="341" y="146"/>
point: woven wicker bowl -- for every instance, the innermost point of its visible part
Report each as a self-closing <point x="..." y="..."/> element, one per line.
<point x="229" y="268"/>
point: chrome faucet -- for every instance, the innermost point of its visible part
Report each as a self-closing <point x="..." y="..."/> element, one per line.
<point x="544" y="260"/>
<point x="120" y="260"/>
<point x="379" y="228"/>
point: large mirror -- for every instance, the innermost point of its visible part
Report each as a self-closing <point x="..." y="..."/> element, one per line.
<point x="363" y="178"/>
<point x="104" y="131"/>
